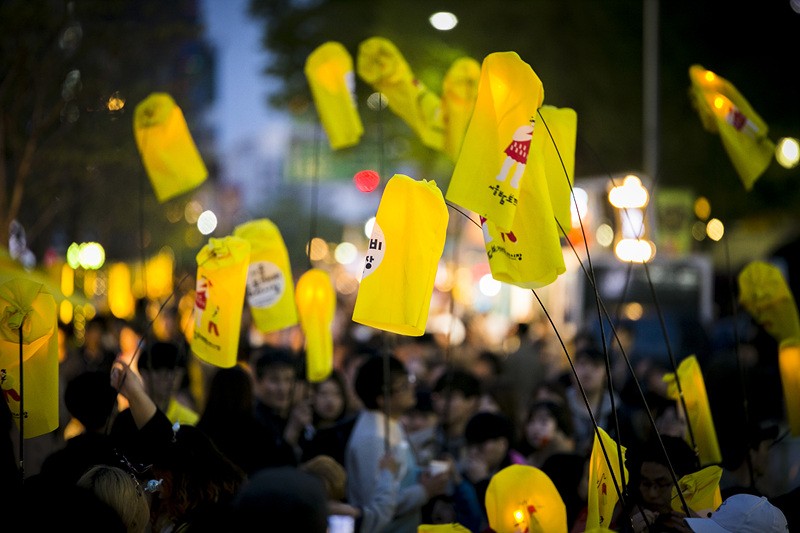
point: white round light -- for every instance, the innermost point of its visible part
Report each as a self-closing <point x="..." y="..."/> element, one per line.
<point x="489" y="286"/>
<point x="207" y="222"/>
<point x="443" y="21"/>
<point x="345" y="253"/>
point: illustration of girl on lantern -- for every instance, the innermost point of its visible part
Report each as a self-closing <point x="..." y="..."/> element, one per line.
<point x="517" y="154"/>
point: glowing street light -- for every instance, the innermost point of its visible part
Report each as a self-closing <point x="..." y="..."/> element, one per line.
<point x="443" y="21"/>
<point x="630" y="199"/>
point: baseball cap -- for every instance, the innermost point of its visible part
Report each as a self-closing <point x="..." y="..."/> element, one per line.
<point x="742" y="513"/>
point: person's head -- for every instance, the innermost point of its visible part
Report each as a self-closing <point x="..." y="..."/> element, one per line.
<point x="370" y="382"/>
<point x="276" y="374"/>
<point x="90" y="398"/>
<point x="651" y="481"/>
<point x="456" y="396"/>
<point x="230" y="392"/>
<point x="162" y="368"/>
<point x="742" y="513"/>
<point x="590" y="369"/>
<point x="329" y="399"/>
<point x="491" y="435"/>
<point x="754" y="447"/>
<point x="282" y="499"/>
<point x="330" y="472"/>
<point x="93" y="334"/>
<point x="122" y="492"/>
<point x="547" y="421"/>
<point x="422" y="415"/>
<point x="195" y="474"/>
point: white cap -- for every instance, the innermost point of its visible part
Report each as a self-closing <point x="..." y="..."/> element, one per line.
<point x="742" y="513"/>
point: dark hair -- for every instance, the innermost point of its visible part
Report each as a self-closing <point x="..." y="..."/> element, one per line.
<point x="560" y="413"/>
<point x="283" y="499"/>
<point x="591" y="354"/>
<point x="370" y="380"/>
<point x="338" y="379"/>
<point x="459" y="380"/>
<point x="485" y="426"/>
<point x="681" y="457"/>
<point x="269" y="356"/>
<point x="161" y="356"/>
<point x="90" y="398"/>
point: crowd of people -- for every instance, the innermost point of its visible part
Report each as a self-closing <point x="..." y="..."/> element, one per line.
<point x="405" y="431"/>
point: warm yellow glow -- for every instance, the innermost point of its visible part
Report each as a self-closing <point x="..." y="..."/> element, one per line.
<point x="702" y="208"/>
<point x="120" y="297"/>
<point x="345" y="253"/>
<point x="443" y="21"/>
<point x="115" y="102"/>
<point x="443" y="280"/>
<point x="518" y="516"/>
<point x="630" y="194"/>
<point x="159" y="271"/>
<point x="715" y="229"/>
<point x="787" y="152"/>
<point x="90" y="283"/>
<point x="346" y="283"/>
<point x="67" y="280"/>
<point x="710" y="76"/>
<point x="65" y="311"/>
<point x="635" y="250"/>
<point x="317" y="249"/>
<point x="719" y="102"/>
<point x="604" y="235"/>
<point x="633" y="311"/>
<point x="192" y="211"/>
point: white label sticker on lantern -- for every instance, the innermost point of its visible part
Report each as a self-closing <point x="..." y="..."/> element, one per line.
<point x="375" y="250"/>
<point x="265" y="284"/>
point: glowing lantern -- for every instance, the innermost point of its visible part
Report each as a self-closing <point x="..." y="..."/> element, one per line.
<point x="28" y="314"/>
<point x="381" y="65"/>
<point x="605" y="480"/>
<point x="270" y="286"/>
<point x="698" y="410"/>
<point x="459" y="93"/>
<point x="316" y="304"/>
<point x="120" y="298"/>
<point x="789" y="364"/>
<point x="329" y="69"/>
<point x="494" y="156"/>
<point x="724" y="110"/>
<point x="554" y="140"/>
<point x="366" y="180"/>
<point x="764" y="293"/>
<point x="219" y="299"/>
<point x="168" y="152"/>
<point x="404" y="251"/>
<point x="442" y="528"/>
<point x="522" y="498"/>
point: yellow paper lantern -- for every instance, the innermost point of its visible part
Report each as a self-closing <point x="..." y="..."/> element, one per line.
<point x="789" y="364"/>
<point x="743" y="132"/>
<point x="329" y="70"/>
<point x="459" y="93"/>
<point x="764" y="293"/>
<point x="26" y="306"/>
<point x="698" y="410"/>
<point x="120" y="298"/>
<point x="270" y="286"/>
<point x="523" y="498"/>
<point x="554" y="140"/>
<point x="442" y="528"/>
<point x="402" y="258"/>
<point x="700" y="491"/>
<point x="316" y="303"/>
<point x="381" y="64"/>
<point x="605" y="480"/>
<point x="494" y="157"/>
<point x="168" y="152"/>
<point x="219" y="299"/>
